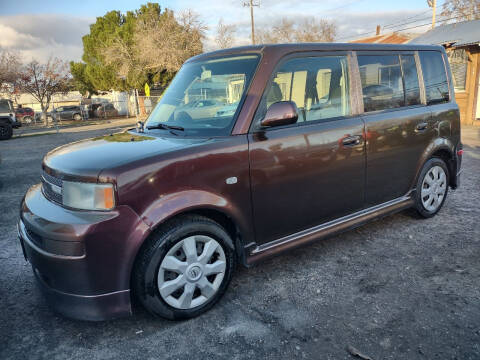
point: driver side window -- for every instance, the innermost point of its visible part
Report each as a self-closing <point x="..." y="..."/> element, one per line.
<point x="317" y="85"/>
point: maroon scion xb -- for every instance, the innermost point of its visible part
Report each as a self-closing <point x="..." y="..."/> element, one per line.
<point x="250" y="152"/>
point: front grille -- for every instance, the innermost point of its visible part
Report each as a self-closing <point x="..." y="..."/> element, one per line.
<point x="52" y="187"/>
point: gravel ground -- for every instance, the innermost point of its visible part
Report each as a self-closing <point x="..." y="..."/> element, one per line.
<point x="398" y="288"/>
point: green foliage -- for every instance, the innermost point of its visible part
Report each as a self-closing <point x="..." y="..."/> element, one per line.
<point x="115" y="57"/>
<point x="81" y="81"/>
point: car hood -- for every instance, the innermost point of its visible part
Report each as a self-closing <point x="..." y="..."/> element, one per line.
<point x="87" y="158"/>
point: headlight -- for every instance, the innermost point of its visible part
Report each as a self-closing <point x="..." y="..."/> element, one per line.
<point x="88" y="196"/>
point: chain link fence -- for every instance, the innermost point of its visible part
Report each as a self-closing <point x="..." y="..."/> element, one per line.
<point x="146" y="104"/>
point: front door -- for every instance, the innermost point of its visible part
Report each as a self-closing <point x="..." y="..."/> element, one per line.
<point x="313" y="171"/>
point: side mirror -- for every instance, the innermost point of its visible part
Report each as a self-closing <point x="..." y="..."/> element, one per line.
<point x="280" y="113"/>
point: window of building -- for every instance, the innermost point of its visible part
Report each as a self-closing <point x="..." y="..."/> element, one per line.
<point x="317" y="85"/>
<point x="382" y="85"/>
<point x="458" y="60"/>
<point x="434" y="77"/>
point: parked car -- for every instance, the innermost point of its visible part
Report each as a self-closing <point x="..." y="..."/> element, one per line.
<point x="105" y="111"/>
<point x="165" y="213"/>
<point x="199" y="109"/>
<point x="227" y="110"/>
<point x="25" y="114"/>
<point x="8" y="120"/>
<point x="71" y="112"/>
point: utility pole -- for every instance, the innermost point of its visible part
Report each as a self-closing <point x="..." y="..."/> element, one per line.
<point x="433" y="5"/>
<point x="251" y="5"/>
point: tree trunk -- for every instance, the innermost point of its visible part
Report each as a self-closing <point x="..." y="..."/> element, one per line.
<point x="44" y="114"/>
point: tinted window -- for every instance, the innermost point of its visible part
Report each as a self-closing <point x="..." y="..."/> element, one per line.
<point x="434" y="77"/>
<point x="410" y="76"/>
<point x="382" y="84"/>
<point x="317" y="85"/>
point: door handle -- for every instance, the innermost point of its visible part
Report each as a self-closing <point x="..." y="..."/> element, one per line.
<point x="352" y="140"/>
<point x="421" y="126"/>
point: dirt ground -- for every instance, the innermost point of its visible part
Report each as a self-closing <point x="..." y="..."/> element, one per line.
<point x="398" y="288"/>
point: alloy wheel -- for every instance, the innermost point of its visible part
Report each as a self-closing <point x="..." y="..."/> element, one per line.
<point x="434" y="187"/>
<point x="191" y="272"/>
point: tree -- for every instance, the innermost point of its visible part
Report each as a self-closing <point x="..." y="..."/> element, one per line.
<point x="225" y="35"/>
<point x="307" y="29"/>
<point x="42" y="81"/>
<point x="9" y="71"/>
<point x="124" y="51"/>
<point x="80" y="80"/>
<point x="460" y="10"/>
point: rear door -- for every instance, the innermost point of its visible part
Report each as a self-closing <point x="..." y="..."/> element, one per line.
<point x="397" y="122"/>
<point x="305" y="174"/>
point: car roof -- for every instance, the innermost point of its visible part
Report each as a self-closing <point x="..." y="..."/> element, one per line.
<point x="283" y="49"/>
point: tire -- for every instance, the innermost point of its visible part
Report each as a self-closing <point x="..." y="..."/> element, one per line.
<point x="434" y="176"/>
<point x="6" y="131"/>
<point x="154" y="282"/>
<point x="77" y="117"/>
<point x="27" y="119"/>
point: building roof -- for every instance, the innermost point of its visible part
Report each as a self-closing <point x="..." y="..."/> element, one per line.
<point x="391" y="38"/>
<point x="458" y="34"/>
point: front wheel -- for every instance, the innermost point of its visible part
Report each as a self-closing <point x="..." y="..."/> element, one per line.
<point x="6" y="131"/>
<point x="184" y="268"/>
<point x="77" y="117"/>
<point x="432" y="187"/>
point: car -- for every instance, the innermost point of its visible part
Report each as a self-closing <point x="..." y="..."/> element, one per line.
<point x="199" y="109"/>
<point x="8" y="120"/>
<point x="325" y="138"/>
<point x="104" y="110"/>
<point x="227" y="110"/>
<point x="25" y="114"/>
<point x="71" y="112"/>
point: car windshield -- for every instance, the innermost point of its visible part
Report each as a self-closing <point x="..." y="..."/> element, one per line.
<point x="203" y="98"/>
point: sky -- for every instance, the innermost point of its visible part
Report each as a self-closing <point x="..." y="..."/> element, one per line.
<point x="40" y="29"/>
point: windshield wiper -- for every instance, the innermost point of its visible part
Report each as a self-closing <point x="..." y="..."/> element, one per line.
<point x="165" y="127"/>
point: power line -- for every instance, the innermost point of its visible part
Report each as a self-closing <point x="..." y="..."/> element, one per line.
<point x="343" y="6"/>
<point x="407" y="28"/>
<point x="408" y="18"/>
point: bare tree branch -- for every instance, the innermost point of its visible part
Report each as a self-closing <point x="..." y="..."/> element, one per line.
<point x="42" y="81"/>
<point x="461" y="10"/>
<point x="308" y="29"/>
<point x="9" y="71"/>
<point x="225" y="35"/>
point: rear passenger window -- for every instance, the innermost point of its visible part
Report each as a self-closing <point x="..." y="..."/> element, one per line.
<point x="317" y="85"/>
<point x="410" y="76"/>
<point x="381" y="77"/>
<point x="434" y="77"/>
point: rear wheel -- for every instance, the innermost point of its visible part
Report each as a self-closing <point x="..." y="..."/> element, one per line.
<point x="432" y="187"/>
<point x="185" y="268"/>
<point x="27" y="119"/>
<point x="6" y="131"/>
<point x="77" y="117"/>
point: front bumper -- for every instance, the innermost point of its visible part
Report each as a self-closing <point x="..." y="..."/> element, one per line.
<point x="81" y="259"/>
